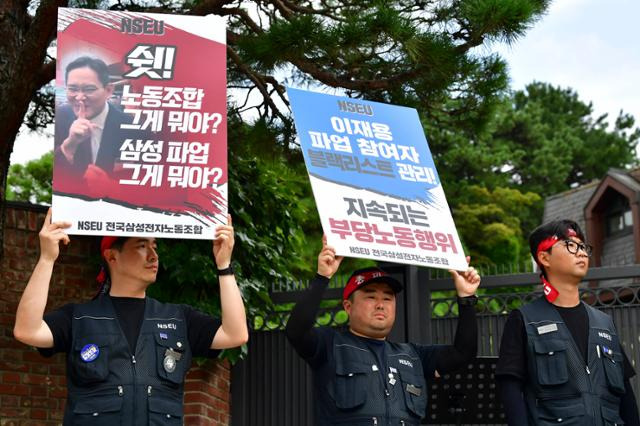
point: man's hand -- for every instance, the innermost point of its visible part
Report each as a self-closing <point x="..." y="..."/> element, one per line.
<point x="50" y="236"/>
<point x="79" y="132"/>
<point x="30" y="327"/>
<point x="466" y="282"/>
<point x="328" y="262"/>
<point x="233" y="331"/>
<point x="223" y="244"/>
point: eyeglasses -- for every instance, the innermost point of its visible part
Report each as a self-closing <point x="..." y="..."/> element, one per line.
<point x="86" y="90"/>
<point x="573" y="247"/>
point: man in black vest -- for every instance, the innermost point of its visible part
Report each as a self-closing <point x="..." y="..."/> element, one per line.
<point x="560" y="359"/>
<point x="359" y="377"/>
<point x="127" y="354"/>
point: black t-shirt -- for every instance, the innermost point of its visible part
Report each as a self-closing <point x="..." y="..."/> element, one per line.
<point x="513" y="349"/>
<point x="201" y="328"/>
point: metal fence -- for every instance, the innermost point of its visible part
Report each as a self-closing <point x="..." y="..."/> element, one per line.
<point x="272" y="386"/>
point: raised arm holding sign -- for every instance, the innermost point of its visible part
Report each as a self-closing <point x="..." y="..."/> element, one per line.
<point x="127" y="354"/>
<point x="359" y="377"/>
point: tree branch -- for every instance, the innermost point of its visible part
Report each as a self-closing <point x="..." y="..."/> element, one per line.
<point x="257" y="80"/>
<point x="46" y="73"/>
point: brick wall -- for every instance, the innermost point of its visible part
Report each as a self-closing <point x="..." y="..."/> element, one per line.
<point x="32" y="388"/>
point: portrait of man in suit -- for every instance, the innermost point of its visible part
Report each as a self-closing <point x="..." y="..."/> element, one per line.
<point x="88" y="134"/>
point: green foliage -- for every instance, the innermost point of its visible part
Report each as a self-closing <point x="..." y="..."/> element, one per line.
<point x="491" y="223"/>
<point x="537" y="142"/>
<point x="31" y="182"/>
<point x="498" y="19"/>
<point x="555" y="143"/>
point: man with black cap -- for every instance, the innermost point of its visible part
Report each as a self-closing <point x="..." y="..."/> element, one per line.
<point x="560" y="359"/>
<point x="127" y="354"/>
<point x="359" y="377"/>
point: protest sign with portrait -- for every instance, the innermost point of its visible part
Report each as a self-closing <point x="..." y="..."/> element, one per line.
<point x="140" y="124"/>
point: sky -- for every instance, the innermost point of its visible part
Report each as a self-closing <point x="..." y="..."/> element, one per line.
<point x="588" y="45"/>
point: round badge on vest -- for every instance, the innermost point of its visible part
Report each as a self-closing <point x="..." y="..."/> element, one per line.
<point x="169" y="364"/>
<point x="90" y="352"/>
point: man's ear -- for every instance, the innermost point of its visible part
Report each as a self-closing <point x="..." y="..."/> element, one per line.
<point x="346" y="305"/>
<point x="109" y="255"/>
<point x="543" y="258"/>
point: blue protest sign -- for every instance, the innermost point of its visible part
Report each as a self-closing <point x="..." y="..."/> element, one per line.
<point x="374" y="180"/>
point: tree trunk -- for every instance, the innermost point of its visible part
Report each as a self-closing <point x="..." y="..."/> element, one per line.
<point x="23" y="49"/>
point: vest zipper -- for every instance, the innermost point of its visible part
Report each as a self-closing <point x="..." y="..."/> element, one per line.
<point x="595" y="414"/>
<point x="120" y="391"/>
<point x="135" y="350"/>
<point x="375" y="420"/>
<point x="133" y="366"/>
<point x="387" y="395"/>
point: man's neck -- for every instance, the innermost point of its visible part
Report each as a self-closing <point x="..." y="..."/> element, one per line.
<point x="568" y="296"/>
<point x="123" y="289"/>
<point x="365" y="336"/>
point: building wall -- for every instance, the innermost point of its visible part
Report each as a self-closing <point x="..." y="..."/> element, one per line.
<point x="33" y="388"/>
<point x="618" y="251"/>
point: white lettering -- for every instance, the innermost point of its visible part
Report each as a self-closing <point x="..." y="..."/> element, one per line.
<point x="405" y="362"/>
<point x="604" y="335"/>
<point x="167" y="326"/>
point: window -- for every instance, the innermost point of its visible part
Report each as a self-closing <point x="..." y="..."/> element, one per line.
<point x="618" y="217"/>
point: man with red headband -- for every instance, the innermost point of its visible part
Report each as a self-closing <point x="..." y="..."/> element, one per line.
<point x="560" y="359"/>
<point x="127" y="354"/>
<point x="359" y="377"/>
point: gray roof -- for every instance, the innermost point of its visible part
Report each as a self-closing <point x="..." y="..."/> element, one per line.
<point x="625" y="178"/>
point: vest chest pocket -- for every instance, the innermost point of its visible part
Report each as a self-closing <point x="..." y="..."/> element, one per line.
<point x="350" y="385"/>
<point x="172" y="359"/>
<point x="613" y="370"/>
<point x="98" y="411"/>
<point x="90" y="359"/>
<point x="414" y="391"/>
<point x="551" y="361"/>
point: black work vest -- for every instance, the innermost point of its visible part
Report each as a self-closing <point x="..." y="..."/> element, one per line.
<point x="108" y="385"/>
<point x="362" y="392"/>
<point x="561" y="388"/>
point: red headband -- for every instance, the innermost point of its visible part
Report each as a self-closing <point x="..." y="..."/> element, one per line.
<point x="545" y="245"/>
<point x="106" y="243"/>
<point x="550" y="291"/>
